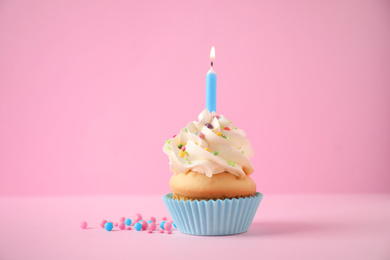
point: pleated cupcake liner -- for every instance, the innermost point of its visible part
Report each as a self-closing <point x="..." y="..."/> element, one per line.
<point x="213" y="217"/>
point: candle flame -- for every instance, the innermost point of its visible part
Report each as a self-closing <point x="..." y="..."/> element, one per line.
<point x="212" y="53"/>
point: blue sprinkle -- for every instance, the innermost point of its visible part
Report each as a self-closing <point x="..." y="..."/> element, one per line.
<point x="149" y="222"/>
<point x="196" y="133"/>
<point x="174" y="224"/>
<point x="128" y="222"/>
<point x="162" y="224"/>
<point x="138" y="226"/>
<point x="108" y="226"/>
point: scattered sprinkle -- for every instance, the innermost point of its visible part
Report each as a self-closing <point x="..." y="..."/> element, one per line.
<point x="138" y="226"/>
<point x="227" y="128"/>
<point x="210" y="126"/>
<point x="173" y="136"/>
<point x="215" y="153"/>
<point x="196" y="143"/>
<point x="169" y="148"/>
<point x="168" y="141"/>
<point x="196" y="133"/>
<point x="162" y="224"/>
<point x="228" y="138"/>
<point x="242" y="152"/>
<point x="103" y="223"/>
<point x="181" y="154"/>
<point x="183" y="148"/>
<point x="180" y="146"/>
<point x="217" y="116"/>
<point x="230" y="122"/>
<point x="231" y="163"/>
<point x="128" y="222"/>
<point x="235" y="127"/>
<point x="108" y="226"/>
<point x="207" y="149"/>
<point x="121" y="225"/>
<point x="219" y="134"/>
<point x="201" y="135"/>
<point x="186" y="130"/>
<point x="188" y="162"/>
<point x="152" y="226"/>
<point x="83" y="225"/>
<point x="186" y="152"/>
<point x="224" y="136"/>
<point x="167" y="226"/>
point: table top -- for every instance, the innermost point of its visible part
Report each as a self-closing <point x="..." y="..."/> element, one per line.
<point x="285" y="227"/>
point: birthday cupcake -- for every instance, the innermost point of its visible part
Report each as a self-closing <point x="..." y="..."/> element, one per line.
<point x="212" y="191"/>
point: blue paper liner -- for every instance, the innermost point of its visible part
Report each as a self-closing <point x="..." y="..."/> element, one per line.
<point x="213" y="217"/>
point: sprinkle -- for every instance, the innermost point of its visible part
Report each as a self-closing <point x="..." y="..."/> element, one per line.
<point x="217" y="116"/>
<point x="210" y="126"/>
<point x="162" y="224"/>
<point x="169" y="148"/>
<point x="188" y="162"/>
<point x="186" y="152"/>
<point x="168" y="141"/>
<point x="235" y="127"/>
<point x="121" y="225"/>
<point x="173" y="136"/>
<point x="219" y="134"/>
<point x="227" y="128"/>
<point x="242" y="152"/>
<point x="196" y="143"/>
<point x="230" y="122"/>
<point x="180" y="146"/>
<point x="234" y="164"/>
<point x="215" y="153"/>
<point x="144" y="224"/>
<point x="153" y="219"/>
<point x="138" y="226"/>
<point x="103" y="223"/>
<point x="207" y="149"/>
<point x="183" y="148"/>
<point x="228" y="138"/>
<point x="83" y="225"/>
<point x="167" y="226"/>
<point x="164" y="218"/>
<point x="224" y="136"/>
<point x="181" y="154"/>
<point x="108" y="226"/>
<point x="201" y="135"/>
<point x="186" y="130"/>
<point x="196" y="133"/>
<point x="173" y="223"/>
<point x="152" y="226"/>
<point x="128" y="222"/>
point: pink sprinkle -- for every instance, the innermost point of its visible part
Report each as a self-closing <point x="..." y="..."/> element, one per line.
<point x="153" y="219"/>
<point x="161" y="231"/>
<point x="123" y="218"/>
<point x="167" y="226"/>
<point x="121" y="225"/>
<point x="217" y="116"/>
<point x="201" y="135"/>
<point x="173" y="136"/>
<point x="164" y="218"/>
<point x="183" y="148"/>
<point x="150" y="231"/>
<point x="103" y="223"/>
<point x="144" y="225"/>
<point x="83" y="225"/>
<point x="152" y="226"/>
<point x="169" y="232"/>
<point x="137" y="219"/>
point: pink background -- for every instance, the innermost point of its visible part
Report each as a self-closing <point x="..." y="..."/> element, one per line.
<point x="90" y="90"/>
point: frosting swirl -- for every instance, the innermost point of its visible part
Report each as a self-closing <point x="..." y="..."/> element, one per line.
<point x="210" y="146"/>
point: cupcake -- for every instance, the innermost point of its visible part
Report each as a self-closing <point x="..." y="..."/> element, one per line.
<point x="212" y="191"/>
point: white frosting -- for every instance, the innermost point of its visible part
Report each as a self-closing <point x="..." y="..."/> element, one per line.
<point x="233" y="148"/>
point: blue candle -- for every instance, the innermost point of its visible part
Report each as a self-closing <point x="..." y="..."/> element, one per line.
<point x="211" y="85"/>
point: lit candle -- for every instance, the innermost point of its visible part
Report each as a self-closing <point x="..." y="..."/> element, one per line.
<point x="211" y="85"/>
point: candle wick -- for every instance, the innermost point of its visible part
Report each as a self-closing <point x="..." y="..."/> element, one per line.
<point x="212" y="63"/>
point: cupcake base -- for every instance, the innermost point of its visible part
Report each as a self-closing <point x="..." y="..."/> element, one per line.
<point x="213" y="217"/>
